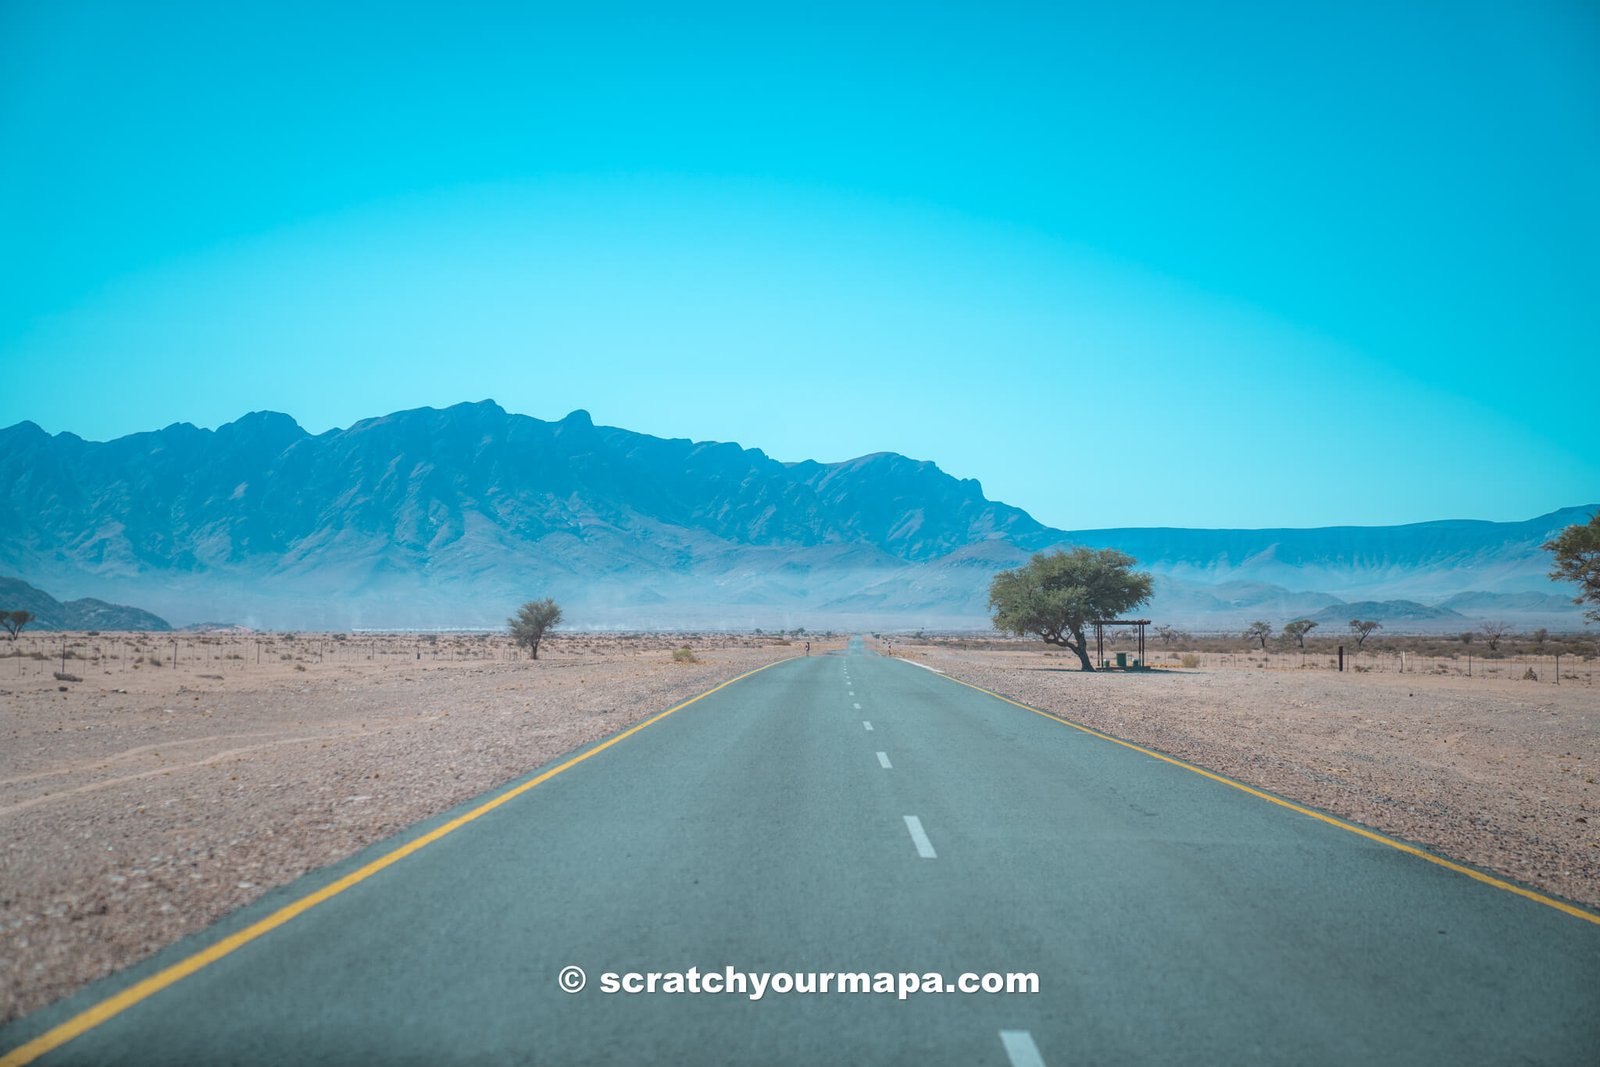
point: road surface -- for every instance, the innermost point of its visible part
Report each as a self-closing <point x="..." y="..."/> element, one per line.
<point x="848" y="813"/>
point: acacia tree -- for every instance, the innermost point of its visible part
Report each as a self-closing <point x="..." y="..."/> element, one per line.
<point x="1260" y="630"/>
<point x="14" y="621"/>
<point x="1058" y="593"/>
<point x="1298" y="629"/>
<point x="1577" y="552"/>
<point x="1363" y="628"/>
<point x="529" y="624"/>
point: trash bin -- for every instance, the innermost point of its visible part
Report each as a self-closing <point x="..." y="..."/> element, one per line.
<point x="1122" y="660"/>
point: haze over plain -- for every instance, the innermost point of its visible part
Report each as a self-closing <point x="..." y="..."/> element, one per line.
<point x="1151" y="267"/>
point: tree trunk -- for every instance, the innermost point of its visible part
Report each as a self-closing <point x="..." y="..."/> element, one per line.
<point x="1075" y="642"/>
<point x="1081" y="647"/>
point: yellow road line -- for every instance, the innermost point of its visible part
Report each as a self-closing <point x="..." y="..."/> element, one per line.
<point x="115" y="1005"/>
<point x="1361" y="831"/>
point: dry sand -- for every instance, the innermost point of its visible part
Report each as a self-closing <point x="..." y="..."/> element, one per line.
<point x="146" y="802"/>
<point x="1498" y="772"/>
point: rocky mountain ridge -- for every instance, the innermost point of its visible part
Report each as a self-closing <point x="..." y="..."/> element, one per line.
<point x="83" y="614"/>
<point x="450" y="517"/>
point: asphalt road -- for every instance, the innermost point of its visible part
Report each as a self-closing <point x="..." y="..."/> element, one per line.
<point x="1169" y="918"/>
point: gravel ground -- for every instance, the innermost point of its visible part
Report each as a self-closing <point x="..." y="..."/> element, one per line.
<point x="1498" y="773"/>
<point x="148" y="801"/>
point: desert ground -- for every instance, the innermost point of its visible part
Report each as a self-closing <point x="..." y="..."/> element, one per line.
<point x="169" y="779"/>
<point x="148" y="800"/>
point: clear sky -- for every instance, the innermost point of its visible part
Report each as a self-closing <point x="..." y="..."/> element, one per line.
<point x="1217" y="264"/>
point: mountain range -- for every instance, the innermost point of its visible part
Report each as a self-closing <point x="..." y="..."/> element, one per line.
<point x="84" y="614"/>
<point x="438" y="518"/>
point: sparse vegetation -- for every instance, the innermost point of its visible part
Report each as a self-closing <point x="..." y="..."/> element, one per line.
<point x="1363" y="629"/>
<point x="532" y="621"/>
<point x="1494" y="633"/>
<point x="684" y="655"/>
<point x="1297" y="630"/>
<point x="14" y="621"/>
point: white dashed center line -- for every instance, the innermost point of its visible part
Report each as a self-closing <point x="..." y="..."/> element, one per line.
<point x="856" y="706"/>
<point x="867" y="724"/>
<point x="919" y="837"/>
<point x="1020" y="1049"/>
<point x="883" y="761"/>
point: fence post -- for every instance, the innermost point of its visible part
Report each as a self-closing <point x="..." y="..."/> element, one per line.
<point x="1341" y="658"/>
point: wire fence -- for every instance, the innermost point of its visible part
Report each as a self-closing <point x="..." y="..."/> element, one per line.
<point x="1526" y="667"/>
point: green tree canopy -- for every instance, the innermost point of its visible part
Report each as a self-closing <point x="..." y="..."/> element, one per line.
<point x="529" y="624"/>
<point x="1058" y="593"/>
<point x="1297" y="629"/>
<point x="1577" y="552"/>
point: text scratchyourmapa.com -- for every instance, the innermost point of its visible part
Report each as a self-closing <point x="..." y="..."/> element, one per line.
<point x="755" y="985"/>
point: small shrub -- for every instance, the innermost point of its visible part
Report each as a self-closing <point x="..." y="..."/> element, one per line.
<point x="154" y="661"/>
<point x="60" y="677"/>
<point x="684" y="655"/>
<point x="1190" y="660"/>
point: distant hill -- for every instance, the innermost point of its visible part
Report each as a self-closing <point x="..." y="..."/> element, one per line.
<point x="1386" y="611"/>
<point x="452" y="517"/>
<point x="85" y="614"/>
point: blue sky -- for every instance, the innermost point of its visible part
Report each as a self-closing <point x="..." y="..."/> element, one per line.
<point x="1127" y="264"/>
